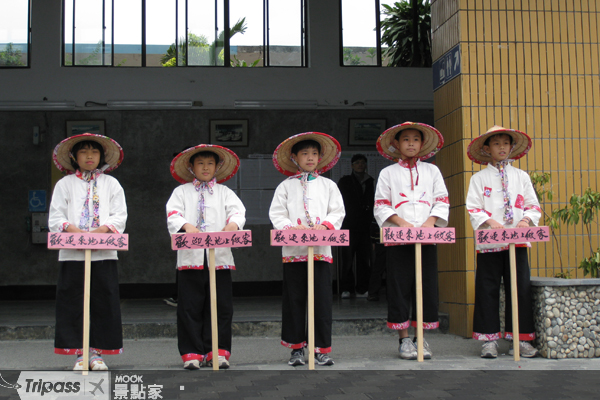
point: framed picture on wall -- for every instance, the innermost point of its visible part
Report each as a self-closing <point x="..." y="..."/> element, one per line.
<point x="365" y="131"/>
<point x="229" y="132"/>
<point x="79" y="127"/>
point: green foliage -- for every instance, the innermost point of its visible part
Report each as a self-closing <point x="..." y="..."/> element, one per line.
<point x="583" y="208"/>
<point x="236" y="62"/>
<point x="539" y="180"/>
<point x="407" y="32"/>
<point x="200" y="51"/>
<point x="351" y="59"/>
<point x="11" y="56"/>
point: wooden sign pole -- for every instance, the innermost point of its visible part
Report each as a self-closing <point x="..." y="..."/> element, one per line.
<point x="87" y="242"/>
<point x="213" y="308"/>
<point x="311" y="308"/>
<point x="211" y="241"/>
<point x="513" y="236"/>
<point x="417" y="236"/>
<point x="310" y="238"/>
<point x="515" y="301"/>
<point x="86" y="310"/>
<point x="419" y="292"/>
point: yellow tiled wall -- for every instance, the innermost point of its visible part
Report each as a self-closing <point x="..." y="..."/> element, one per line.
<point x="531" y="65"/>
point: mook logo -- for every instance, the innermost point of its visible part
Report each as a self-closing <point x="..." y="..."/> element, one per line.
<point x="53" y="385"/>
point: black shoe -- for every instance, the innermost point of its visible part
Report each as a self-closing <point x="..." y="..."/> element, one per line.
<point x="373" y="298"/>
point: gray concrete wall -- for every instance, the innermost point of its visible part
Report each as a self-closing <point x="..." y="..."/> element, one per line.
<point x="149" y="138"/>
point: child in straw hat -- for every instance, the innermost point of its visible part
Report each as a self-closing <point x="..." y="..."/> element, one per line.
<point x="88" y="200"/>
<point x="501" y="196"/>
<point x="202" y="204"/>
<point x="306" y="200"/>
<point x="411" y="193"/>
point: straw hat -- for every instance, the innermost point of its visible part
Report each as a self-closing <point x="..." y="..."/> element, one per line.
<point x="113" y="153"/>
<point x="228" y="163"/>
<point x="330" y="152"/>
<point x="520" y="145"/>
<point x="432" y="141"/>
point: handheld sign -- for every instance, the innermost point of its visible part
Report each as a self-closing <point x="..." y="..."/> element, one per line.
<point x="310" y="238"/>
<point x="87" y="242"/>
<point x="417" y="236"/>
<point x="512" y="236"/>
<point x="211" y="241"/>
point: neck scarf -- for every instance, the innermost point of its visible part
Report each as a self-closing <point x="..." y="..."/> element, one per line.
<point x="305" y="177"/>
<point x="202" y="187"/>
<point x="91" y="178"/>
<point x="407" y="164"/>
<point x="508" y="211"/>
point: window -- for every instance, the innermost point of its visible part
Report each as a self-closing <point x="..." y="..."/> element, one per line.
<point x="361" y="32"/>
<point x="14" y="33"/>
<point x="184" y="33"/>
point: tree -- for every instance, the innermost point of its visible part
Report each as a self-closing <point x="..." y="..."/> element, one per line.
<point x="407" y="32"/>
<point x="201" y="53"/>
<point x="11" y="56"/>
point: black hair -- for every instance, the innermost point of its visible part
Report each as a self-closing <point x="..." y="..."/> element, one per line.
<point x="487" y="141"/>
<point x="397" y="137"/>
<point x="306" y="144"/>
<point x="206" y="154"/>
<point x="357" y="157"/>
<point x="84" y="144"/>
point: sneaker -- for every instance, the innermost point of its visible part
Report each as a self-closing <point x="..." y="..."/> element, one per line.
<point x="373" y="298"/>
<point x="362" y="295"/>
<point x="489" y="349"/>
<point x="346" y="295"/>
<point x="297" y="358"/>
<point x="78" y="364"/>
<point x="191" y="364"/>
<point x="171" y="302"/>
<point x="97" y="363"/>
<point x="223" y="363"/>
<point x="525" y="350"/>
<point x="407" y="349"/>
<point x="323" y="359"/>
<point x="426" y="350"/>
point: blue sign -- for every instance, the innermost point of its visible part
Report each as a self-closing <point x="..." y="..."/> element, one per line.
<point x="446" y="68"/>
<point x="37" y="200"/>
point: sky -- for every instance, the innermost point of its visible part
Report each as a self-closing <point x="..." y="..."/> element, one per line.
<point x="358" y="21"/>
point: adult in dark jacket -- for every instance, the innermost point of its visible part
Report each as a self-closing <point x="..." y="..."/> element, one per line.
<point x="358" y="192"/>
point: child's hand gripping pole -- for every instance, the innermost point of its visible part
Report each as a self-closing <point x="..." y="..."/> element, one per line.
<point x="310" y="238"/>
<point x="512" y="236"/>
<point x="87" y="242"/>
<point x="211" y="241"/>
<point x="417" y="236"/>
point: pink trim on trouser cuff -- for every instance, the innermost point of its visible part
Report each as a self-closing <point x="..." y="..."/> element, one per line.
<point x="398" y="327"/>
<point x="426" y="325"/>
<point x="222" y="352"/>
<point x="323" y="350"/>
<point x="293" y="346"/>
<point x="79" y="352"/>
<point x="192" y="356"/>
<point x="522" y="336"/>
<point x="487" y="336"/>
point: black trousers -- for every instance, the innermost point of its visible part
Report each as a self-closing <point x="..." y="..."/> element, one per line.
<point x="106" y="333"/>
<point x="401" y="294"/>
<point x="194" y="334"/>
<point x="294" y="325"/>
<point x="491" y="267"/>
<point x="378" y="265"/>
<point x="360" y="245"/>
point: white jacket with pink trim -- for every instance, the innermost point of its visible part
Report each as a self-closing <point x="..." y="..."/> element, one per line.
<point x="394" y="194"/>
<point x="485" y="200"/>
